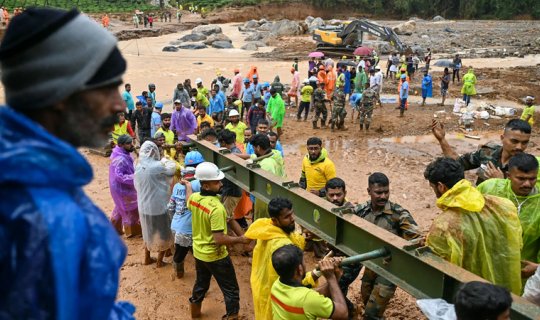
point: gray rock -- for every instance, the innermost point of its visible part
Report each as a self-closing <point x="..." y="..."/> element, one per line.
<point x="175" y="43"/>
<point x="286" y="28"/>
<point x="250" y="46"/>
<point x="256" y="36"/>
<point x="438" y="18"/>
<point x="251" y="24"/>
<point x="262" y="21"/>
<point x="259" y="43"/>
<point x="222" y="45"/>
<point x="537" y="41"/>
<point x="170" y="49"/>
<point x="308" y="20"/>
<point x="449" y="30"/>
<point x="192" y="46"/>
<point x="266" y="26"/>
<point x="216" y="37"/>
<point x="405" y="28"/>
<point x="316" y="23"/>
<point x="424" y="36"/>
<point x="207" y="29"/>
<point x="334" y="22"/>
<point x="194" y="36"/>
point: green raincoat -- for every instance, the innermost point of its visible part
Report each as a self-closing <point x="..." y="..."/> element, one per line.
<point x="469" y="81"/>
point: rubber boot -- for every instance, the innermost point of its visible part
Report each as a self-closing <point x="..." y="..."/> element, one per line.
<point x="367" y="126"/>
<point x="401" y="112"/>
<point x="361" y="126"/>
<point x="342" y="125"/>
<point x="332" y="124"/>
<point x="323" y="125"/>
<point x="179" y="269"/>
<point x="315" y="125"/>
<point x="195" y="310"/>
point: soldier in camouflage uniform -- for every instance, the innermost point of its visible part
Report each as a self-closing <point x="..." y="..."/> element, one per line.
<point x="490" y="159"/>
<point x="338" y="111"/>
<point x="319" y="99"/>
<point x="376" y="291"/>
<point x="366" y="105"/>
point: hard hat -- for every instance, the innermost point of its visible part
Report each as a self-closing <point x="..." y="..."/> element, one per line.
<point x="255" y="76"/>
<point x="218" y="73"/>
<point x="529" y="98"/>
<point x="193" y="158"/>
<point x="266" y="84"/>
<point x="306" y="80"/>
<point x="403" y="76"/>
<point x="246" y="80"/>
<point x="159" y="105"/>
<point x="198" y="80"/>
<point x="233" y="113"/>
<point x="377" y="68"/>
<point x="207" y="171"/>
<point x="177" y="101"/>
<point x="344" y="57"/>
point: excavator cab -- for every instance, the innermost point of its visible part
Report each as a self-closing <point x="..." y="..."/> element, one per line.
<point x="330" y="35"/>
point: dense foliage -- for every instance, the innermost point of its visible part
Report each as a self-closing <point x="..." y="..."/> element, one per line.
<point x="90" y="6"/>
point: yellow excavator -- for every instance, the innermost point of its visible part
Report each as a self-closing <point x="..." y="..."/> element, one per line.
<point x="344" y="38"/>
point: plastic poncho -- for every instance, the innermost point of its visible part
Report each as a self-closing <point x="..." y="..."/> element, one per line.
<point x="528" y="212"/>
<point x="481" y="234"/>
<point x="360" y="81"/>
<point x="252" y="72"/>
<point x="330" y="85"/>
<point x="121" y="174"/>
<point x="152" y="182"/>
<point x="469" y="81"/>
<point x="276" y="109"/>
<point x="427" y="86"/>
<point x="269" y="238"/>
<point x="59" y="255"/>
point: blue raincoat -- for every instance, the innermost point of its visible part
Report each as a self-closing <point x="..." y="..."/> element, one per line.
<point x="59" y="255"/>
<point x="427" y="87"/>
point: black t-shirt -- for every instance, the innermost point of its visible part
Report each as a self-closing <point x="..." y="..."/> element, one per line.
<point x="230" y="189"/>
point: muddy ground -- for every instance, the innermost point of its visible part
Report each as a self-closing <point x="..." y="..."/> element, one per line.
<point x="399" y="147"/>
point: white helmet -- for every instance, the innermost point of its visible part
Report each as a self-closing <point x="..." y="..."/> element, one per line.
<point x="233" y="113"/>
<point x="207" y="171"/>
<point x="306" y="80"/>
<point x="198" y="80"/>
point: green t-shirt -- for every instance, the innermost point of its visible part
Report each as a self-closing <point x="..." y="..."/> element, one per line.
<point x="207" y="215"/>
<point x="299" y="303"/>
<point x="202" y="99"/>
<point x="306" y="93"/>
<point x="238" y="129"/>
<point x="273" y="164"/>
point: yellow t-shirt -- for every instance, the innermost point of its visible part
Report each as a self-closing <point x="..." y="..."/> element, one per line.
<point x="528" y="111"/>
<point x="317" y="173"/>
<point x="306" y="93"/>
<point x="238" y="129"/>
<point x="207" y="215"/>
<point x="169" y="139"/>
<point x="206" y="118"/>
<point x="299" y="303"/>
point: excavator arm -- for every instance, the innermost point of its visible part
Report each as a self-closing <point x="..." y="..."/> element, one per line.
<point x="361" y="26"/>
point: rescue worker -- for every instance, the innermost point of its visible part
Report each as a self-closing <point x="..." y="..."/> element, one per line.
<point x="361" y="80"/>
<point x="377" y="291"/>
<point x="528" y="110"/>
<point x="338" y="110"/>
<point x="319" y="100"/>
<point x="520" y="188"/>
<point x="122" y="127"/>
<point x="365" y="108"/>
<point x="60" y="256"/>
<point x="291" y="300"/>
<point x="485" y="237"/>
<point x="468" y="89"/>
<point x="210" y="241"/>
<point x="491" y="158"/>
<point x="317" y="168"/>
<point x="271" y="234"/>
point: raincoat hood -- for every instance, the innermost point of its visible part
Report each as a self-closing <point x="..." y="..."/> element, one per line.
<point x="462" y="195"/>
<point x="276" y="79"/>
<point x="25" y="146"/>
<point x="264" y="229"/>
<point x="321" y="158"/>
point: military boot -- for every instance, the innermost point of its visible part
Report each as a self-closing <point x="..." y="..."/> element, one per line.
<point x="332" y="124"/>
<point x="323" y="125"/>
<point x="315" y="124"/>
<point x="361" y="126"/>
<point x="367" y="126"/>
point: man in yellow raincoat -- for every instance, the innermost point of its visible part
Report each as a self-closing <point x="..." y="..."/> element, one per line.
<point x="271" y="234"/>
<point x="468" y="89"/>
<point x="481" y="234"/>
<point x="521" y="189"/>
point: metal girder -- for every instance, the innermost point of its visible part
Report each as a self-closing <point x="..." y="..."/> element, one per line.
<point x="414" y="269"/>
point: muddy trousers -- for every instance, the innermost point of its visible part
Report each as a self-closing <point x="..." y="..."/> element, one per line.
<point x="320" y="113"/>
<point x="350" y="273"/>
<point x="338" y="117"/>
<point x="365" y="117"/>
<point x="223" y="271"/>
<point x="376" y="292"/>
<point x="180" y="253"/>
<point x="304" y="106"/>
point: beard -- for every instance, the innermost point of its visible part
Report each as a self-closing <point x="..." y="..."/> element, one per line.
<point x="81" y="127"/>
<point x="290" y="228"/>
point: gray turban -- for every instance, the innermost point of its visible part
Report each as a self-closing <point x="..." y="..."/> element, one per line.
<point x="47" y="55"/>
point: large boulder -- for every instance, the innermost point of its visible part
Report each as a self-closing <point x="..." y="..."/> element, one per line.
<point x="381" y="47"/>
<point x="192" y="46"/>
<point x="194" y="36"/>
<point x="438" y="18"/>
<point x="216" y="37"/>
<point x="259" y="44"/>
<point x="250" y="46"/>
<point x="316" y="23"/>
<point x="334" y="22"/>
<point x="537" y="41"/>
<point x="222" y="45"/>
<point x="308" y="20"/>
<point x="170" y="49"/>
<point x="207" y="29"/>
<point x="286" y="27"/>
<point x="262" y="21"/>
<point x="405" y="28"/>
<point x="251" y="24"/>
<point x="267" y="26"/>
<point x="256" y="36"/>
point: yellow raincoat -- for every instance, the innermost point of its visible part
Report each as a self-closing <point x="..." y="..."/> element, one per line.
<point x="269" y="238"/>
<point x="481" y="234"/>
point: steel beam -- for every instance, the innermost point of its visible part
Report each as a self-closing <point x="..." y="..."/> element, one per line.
<point x="414" y="269"/>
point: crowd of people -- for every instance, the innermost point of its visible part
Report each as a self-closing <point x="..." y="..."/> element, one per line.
<point x="63" y="256"/>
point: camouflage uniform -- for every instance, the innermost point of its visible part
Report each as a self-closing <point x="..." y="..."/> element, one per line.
<point x="338" y="111"/>
<point x="319" y="97"/>
<point x="376" y="291"/>
<point x="489" y="152"/>
<point x="367" y="104"/>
